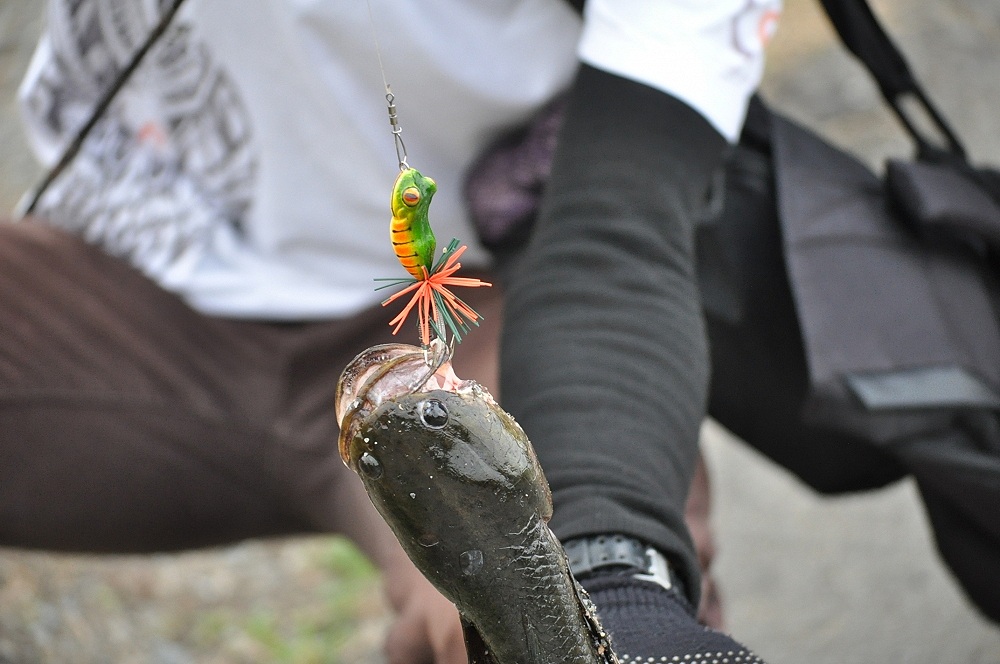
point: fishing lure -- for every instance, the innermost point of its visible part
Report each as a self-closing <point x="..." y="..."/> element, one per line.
<point x="438" y="309"/>
<point x="410" y="231"/>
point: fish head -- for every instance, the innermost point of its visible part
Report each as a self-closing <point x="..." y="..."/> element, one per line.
<point x="383" y="373"/>
<point x="446" y="467"/>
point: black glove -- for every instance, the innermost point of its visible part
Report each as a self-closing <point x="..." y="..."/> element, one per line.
<point x="651" y="624"/>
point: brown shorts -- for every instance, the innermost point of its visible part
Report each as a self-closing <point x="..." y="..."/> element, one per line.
<point x="131" y="422"/>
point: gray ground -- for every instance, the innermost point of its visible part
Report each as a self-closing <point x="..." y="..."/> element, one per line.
<point x="805" y="579"/>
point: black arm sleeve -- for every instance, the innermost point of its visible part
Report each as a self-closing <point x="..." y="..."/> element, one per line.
<point x="604" y="355"/>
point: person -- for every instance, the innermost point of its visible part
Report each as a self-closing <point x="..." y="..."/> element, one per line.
<point x="178" y="306"/>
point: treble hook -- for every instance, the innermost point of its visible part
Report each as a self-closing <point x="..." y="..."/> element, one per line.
<point x="436" y="354"/>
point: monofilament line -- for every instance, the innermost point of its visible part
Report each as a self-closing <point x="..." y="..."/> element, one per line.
<point x="397" y="131"/>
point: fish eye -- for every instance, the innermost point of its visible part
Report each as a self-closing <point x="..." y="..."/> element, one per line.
<point x="411" y="196"/>
<point x="433" y="414"/>
<point x="370" y="466"/>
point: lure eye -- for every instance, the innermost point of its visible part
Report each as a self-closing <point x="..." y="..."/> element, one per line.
<point x="433" y="414"/>
<point x="411" y="196"/>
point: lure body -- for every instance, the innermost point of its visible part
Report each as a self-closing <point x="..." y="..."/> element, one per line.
<point x="410" y="229"/>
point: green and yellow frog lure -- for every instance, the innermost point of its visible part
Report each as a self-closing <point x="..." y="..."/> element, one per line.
<point x="438" y="309"/>
<point x="410" y="230"/>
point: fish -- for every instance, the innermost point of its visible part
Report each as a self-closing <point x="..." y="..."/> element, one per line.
<point x="459" y="484"/>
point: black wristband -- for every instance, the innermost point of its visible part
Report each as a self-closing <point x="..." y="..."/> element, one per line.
<point x="588" y="555"/>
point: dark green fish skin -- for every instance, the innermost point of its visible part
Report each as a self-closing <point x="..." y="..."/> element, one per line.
<point x="458" y="482"/>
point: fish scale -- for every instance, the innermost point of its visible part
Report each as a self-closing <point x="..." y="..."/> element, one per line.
<point x="547" y="598"/>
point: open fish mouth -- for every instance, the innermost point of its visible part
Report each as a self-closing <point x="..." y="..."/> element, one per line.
<point x="387" y="371"/>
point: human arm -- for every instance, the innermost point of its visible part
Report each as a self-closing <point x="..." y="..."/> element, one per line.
<point x="604" y="355"/>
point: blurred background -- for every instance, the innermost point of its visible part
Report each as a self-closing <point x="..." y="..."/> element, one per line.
<point x="804" y="578"/>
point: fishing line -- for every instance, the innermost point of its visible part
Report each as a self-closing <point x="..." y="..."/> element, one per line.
<point x="397" y="131"/>
<point x="30" y="201"/>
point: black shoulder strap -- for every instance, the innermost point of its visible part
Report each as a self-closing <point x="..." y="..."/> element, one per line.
<point x="864" y="36"/>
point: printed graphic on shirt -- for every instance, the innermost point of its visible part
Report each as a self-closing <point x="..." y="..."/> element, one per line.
<point x="171" y="158"/>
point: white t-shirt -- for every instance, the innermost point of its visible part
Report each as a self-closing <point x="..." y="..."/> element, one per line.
<point x="247" y="164"/>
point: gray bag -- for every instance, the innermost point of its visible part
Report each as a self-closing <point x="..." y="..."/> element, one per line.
<point x="854" y="342"/>
<point x="895" y="285"/>
<point x="875" y="305"/>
